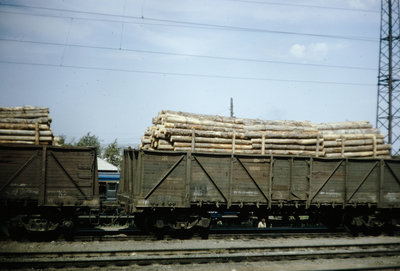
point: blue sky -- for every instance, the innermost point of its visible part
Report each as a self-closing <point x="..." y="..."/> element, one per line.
<point x="108" y="67"/>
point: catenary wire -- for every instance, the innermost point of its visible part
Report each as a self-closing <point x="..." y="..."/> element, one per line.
<point x="189" y="55"/>
<point x="186" y="74"/>
<point x="303" y="6"/>
<point x="190" y="24"/>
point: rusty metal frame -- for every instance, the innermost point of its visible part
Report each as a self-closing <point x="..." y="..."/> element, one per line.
<point x="363" y="180"/>
<point x="19" y="170"/>
<point x="252" y="179"/>
<point x="164" y="177"/>
<point x="211" y="179"/>
<point x="68" y="175"/>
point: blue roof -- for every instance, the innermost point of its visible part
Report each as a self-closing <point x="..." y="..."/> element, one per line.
<point x="109" y="176"/>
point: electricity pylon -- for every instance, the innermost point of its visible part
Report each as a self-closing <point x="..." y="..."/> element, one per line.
<point x="388" y="103"/>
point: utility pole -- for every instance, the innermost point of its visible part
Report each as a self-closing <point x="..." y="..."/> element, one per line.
<point x="232" y="116"/>
<point x="388" y="102"/>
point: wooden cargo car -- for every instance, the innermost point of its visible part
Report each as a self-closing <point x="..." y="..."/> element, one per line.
<point x="43" y="188"/>
<point x="179" y="189"/>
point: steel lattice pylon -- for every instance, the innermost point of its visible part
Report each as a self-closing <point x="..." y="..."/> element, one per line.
<point x="388" y="105"/>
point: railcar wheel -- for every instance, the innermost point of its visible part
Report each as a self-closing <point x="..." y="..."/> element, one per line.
<point x="69" y="230"/>
<point x="352" y="224"/>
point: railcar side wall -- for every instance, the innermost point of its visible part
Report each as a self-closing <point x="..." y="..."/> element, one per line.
<point x="173" y="179"/>
<point x="48" y="176"/>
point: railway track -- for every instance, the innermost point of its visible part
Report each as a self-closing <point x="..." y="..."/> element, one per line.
<point x="190" y="255"/>
<point x="117" y="236"/>
<point x="219" y="234"/>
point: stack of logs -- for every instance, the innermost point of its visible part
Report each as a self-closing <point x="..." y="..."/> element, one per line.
<point x="178" y="131"/>
<point x="25" y="125"/>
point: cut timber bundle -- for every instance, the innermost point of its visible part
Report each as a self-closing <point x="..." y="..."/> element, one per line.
<point x="25" y="125"/>
<point x="180" y="131"/>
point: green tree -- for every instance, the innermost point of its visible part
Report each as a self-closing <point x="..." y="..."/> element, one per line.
<point x="112" y="154"/>
<point x="89" y="140"/>
<point x="63" y="141"/>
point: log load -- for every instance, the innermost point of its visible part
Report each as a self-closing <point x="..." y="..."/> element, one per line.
<point x="25" y="125"/>
<point x="180" y="131"/>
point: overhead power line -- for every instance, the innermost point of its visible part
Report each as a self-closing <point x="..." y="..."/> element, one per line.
<point x="304" y="6"/>
<point x="180" y="23"/>
<point x="189" y="55"/>
<point x="187" y="74"/>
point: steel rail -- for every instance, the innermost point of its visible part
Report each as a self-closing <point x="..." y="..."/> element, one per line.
<point x="46" y="259"/>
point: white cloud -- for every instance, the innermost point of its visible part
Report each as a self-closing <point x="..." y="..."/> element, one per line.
<point x="314" y="51"/>
<point x="318" y="51"/>
<point x="298" y="50"/>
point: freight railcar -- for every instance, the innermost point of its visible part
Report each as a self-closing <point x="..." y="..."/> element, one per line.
<point x="44" y="188"/>
<point x="179" y="190"/>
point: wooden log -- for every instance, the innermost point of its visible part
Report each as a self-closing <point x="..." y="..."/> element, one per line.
<point x="352" y="142"/>
<point x="283" y="135"/>
<point x="343" y="125"/>
<point x="224" y="134"/>
<point x="165" y="147"/>
<point x="253" y="122"/>
<point x="269" y="152"/>
<point x="357" y="148"/>
<point x="209" y="150"/>
<point x="242" y="121"/>
<point x="312" y="141"/>
<point x="175" y="121"/>
<point x="212" y="146"/>
<point x="293" y="152"/>
<point x="37" y="134"/>
<point x="31" y="121"/>
<point x="351" y="136"/>
<point x="22" y="126"/>
<point x="146" y="140"/>
<point x="25" y="138"/>
<point x="163" y="142"/>
<point x="176" y="138"/>
<point x="358" y="154"/>
<point x="24" y="108"/>
<point x="198" y="127"/>
<point x="23" y="115"/>
<point x="16" y="142"/>
<point x="145" y="147"/>
<point x="186" y="132"/>
<point x="261" y="128"/>
<point x="350" y="131"/>
<point x="24" y="132"/>
<point x="287" y="147"/>
<point x="160" y="142"/>
<point x="192" y="121"/>
<point x="148" y="132"/>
